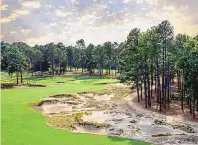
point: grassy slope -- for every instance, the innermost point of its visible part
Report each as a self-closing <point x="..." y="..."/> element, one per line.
<point x="24" y="126"/>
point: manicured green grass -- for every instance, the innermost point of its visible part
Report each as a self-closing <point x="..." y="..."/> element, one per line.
<point x="24" y="126"/>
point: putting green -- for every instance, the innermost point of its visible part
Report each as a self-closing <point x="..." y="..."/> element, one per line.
<point x="24" y="126"/>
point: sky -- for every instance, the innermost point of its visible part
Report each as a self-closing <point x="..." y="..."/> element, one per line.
<point x="95" y="21"/>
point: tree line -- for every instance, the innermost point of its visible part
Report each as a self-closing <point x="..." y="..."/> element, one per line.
<point x="57" y="59"/>
<point x="153" y="60"/>
<point x="150" y="61"/>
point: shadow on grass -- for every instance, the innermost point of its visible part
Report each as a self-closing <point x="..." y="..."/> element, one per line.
<point x="93" y="77"/>
<point x="73" y="77"/>
<point x="38" y="78"/>
<point x="130" y="141"/>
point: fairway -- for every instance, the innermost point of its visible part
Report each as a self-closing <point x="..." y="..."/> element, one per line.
<point x="22" y="125"/>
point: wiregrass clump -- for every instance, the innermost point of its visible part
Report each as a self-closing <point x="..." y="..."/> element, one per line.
<point x="96" y="104"/>
<point x="63" y="96"/>
<point x="67" y="122"/>
<point x="166" y="134"/>
<point x="94" y="124"/>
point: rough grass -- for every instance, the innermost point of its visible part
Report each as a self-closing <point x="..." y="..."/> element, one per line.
<point x="96" y="104"/>
<point x="21" y="125"/>
<point x="186" y="128"/>
<point x="167" y="134"/>
<point x="182" y="127"/>
<point x="67" y="122"/>
<point x="94" y="124"/>
<point x="118" y="92"/>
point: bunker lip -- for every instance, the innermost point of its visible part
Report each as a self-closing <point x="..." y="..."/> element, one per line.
<point x="118" y="116"/>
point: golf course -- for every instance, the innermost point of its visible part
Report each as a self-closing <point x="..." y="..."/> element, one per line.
<point x="22" y="125"/>
<point x="99" y="72"/>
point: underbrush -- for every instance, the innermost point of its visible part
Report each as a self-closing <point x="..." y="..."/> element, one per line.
<point x="7" y="85"/>
<point x="67" y="122"/>
<point x="12" y="85"/>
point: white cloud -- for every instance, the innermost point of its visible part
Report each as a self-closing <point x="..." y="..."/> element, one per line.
<point x="53" y="24"/>
<point x="14" y="15"/>
<point x="3" y="7"/>
<point x="48" y="6"/>
<point x="182" y="22"/>
<point x="21" y="12"/>
<point x="26" y="31"/>
<point x="150" y="2"/>
<point x="60" y="13"/>
<point x="125" y="1"/>
<point x="9" y="18"/>
<point x="31" y="4"/>
<point x="99" y="6"/>
<point x="13" y="32"/>
<point x="92" y="22"/>
<point x="74" y="1"/>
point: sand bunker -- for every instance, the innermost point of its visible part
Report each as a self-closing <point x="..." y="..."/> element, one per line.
<point x="112" y="112"/>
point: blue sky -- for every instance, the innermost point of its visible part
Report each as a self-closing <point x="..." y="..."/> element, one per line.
<point x="95" y="21"/>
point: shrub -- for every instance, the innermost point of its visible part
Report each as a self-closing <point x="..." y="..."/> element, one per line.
<point x="7" y="85"/>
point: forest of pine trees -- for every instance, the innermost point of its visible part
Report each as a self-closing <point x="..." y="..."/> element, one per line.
<point x="155" y="60"/>
<point x="150" y="61"/>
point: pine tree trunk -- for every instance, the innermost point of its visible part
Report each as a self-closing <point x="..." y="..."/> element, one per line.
<point x="21" y="77"/>
<point x="53" y="68"/>
<point x="145" y="89"/>
<point x="182" y="93"/>
<point x="159" y="100"/>
<point x="149" y="92"/>
<point x="82" y="66"/>
<point x="141" y="91"/>
<point x="100" y="72"/>
<point x="194" y="108"/>
<point x="178" y="79"/>
<point x="197" y="105"/>
<point x="158" y="83"/>
<point x="169" y="86"/>
<point x="17" y="77"/>
<point x="59" y="68"/>
<point x="115" y="70"/>
<point x="155" y="81"/>
<point x="152" y="82"/>
<point x="41" y="72"/>
<point x="190" y="105"/>
<point x="109" y="68"/>
<point x="70" y="68"/>
<point x="138" y="94"/>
